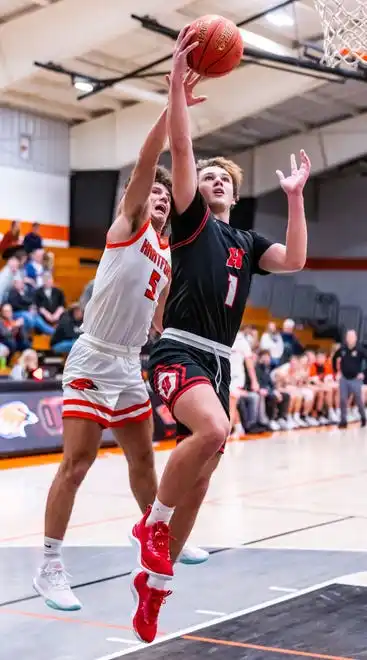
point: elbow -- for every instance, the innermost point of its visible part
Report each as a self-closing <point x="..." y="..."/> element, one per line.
<point x="295" y="265"/>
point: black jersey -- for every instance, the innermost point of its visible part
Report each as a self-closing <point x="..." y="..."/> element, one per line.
<point x="212" y="268"/>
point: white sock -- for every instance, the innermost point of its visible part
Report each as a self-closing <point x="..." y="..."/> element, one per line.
<point x="52" y="548"/>
<point x="160" y="513"/>
<point x="156" y="583"/>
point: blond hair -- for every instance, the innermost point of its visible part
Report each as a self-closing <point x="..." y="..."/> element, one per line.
<point x="234" y="170"/>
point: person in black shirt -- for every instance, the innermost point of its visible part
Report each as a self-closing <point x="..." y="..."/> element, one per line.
<point x="277" y="403"/>
<point x="50" y="300"/>
<point x="33" y="241"/>
<point x="349" y="361"/>
<point x="212" y="268"/>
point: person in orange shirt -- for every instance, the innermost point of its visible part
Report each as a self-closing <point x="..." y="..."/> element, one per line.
<point x="322" y="375"/>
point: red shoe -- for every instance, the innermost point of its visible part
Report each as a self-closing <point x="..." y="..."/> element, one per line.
<point x="153" y="547"/>
<point x="148" y="602"/>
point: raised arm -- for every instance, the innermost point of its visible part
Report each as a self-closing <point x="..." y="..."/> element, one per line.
<point x="132" y="209"/>
<point x="184" y="178"/>
<point x="291" y="257"/>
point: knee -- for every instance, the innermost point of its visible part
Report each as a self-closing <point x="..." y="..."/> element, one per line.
<point x="142" y="462"/>
<point x="73" y="470"/>
<point x="213" y="435"/>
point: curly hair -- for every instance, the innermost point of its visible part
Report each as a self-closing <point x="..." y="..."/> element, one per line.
<point x="234" y="170"/>
<point x="162" y="175"/>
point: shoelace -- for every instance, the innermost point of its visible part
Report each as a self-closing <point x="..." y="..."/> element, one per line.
<point x="154" y="603"/>
<point x="58" y="577"/>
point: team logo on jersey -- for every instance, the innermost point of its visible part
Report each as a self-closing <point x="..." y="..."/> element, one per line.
<point x="83" y="384"/>
<point x="235" y="258"/>
<point x="166" y="384"/>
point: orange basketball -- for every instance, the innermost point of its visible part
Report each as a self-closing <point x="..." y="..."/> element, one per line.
<point x="220" y="46"/>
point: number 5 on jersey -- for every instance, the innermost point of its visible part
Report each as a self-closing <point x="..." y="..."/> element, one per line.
<point x="151" y="291"/>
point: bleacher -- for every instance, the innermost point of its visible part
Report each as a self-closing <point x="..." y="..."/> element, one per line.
<point x="74" y="268"/>
<point x="279" y="296"/>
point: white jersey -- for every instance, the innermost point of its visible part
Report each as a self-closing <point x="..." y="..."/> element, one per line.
<point x="129" y="280"/>
<point x="241" y="350"/>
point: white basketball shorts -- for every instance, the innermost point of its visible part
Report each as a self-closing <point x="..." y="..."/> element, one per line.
<point x="103" y="383"/>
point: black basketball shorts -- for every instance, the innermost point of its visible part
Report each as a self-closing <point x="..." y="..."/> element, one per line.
<point x="175" y="367"/>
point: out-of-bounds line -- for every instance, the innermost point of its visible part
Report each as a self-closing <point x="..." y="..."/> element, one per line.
<point x="90" y="583"/>
<point x="180" y="634"/>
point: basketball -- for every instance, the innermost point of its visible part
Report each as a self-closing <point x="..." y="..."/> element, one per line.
<point x="220" y="46"/>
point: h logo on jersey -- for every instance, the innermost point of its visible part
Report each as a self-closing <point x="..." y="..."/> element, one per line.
<point x="235" y="258"/>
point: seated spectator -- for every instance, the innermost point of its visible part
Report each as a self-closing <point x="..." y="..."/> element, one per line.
<point x="309" y="392"/>
<point x="26" y="366"/>
<point x="33" y="241"/>
<point x="23" y="307"/>
<point x="86" y="294"/>
<point x="291" y="344"/>
<point x="7" y="274"/>
<point x="277" y="402"/>
<point x="68" y="329"/>
<point x="34" y="269"/>
<point x="272" y="341"/>
<point x="321" y="377"/>
<point x="50" y="300"/>
<point x="10" y="241"/>
<point x="12" y="330"/>
<point x="4" y="354"/>
<point x="243" y="403"/>
<point x="286" y="378"/>
<point x="48" y="261"/>
<point x="252" y="336"/>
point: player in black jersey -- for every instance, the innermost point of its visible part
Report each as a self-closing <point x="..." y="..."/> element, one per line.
<point x="212" y="268"/>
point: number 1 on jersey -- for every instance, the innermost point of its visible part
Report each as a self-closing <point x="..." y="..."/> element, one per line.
<point x="153" y="283"/>
<point x="232" y="290"/>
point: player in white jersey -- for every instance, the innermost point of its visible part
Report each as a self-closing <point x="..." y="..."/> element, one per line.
<point x="103" y="385"/>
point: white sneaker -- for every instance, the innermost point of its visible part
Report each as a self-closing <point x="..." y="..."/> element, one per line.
<point x="333" y="416"/>
<point x="51" y="582"/>
<point x="191" y="555"/>
<point x="284" y="424"/>
<point x="323" y="421"/>
<point x="299" y="421"/>
<point x="273" y="425"/>
<point x="311" y="421"/>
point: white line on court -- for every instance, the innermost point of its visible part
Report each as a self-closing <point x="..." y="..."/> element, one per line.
<point x="210" y="612"/>
<point x="223" y="619"/>
<point x="287" y="590"/>
<point x="121" y="640"/>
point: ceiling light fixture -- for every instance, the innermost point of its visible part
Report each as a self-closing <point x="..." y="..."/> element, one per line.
<point x="83" y="84"/>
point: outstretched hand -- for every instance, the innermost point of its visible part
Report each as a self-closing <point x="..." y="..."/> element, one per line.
<point x="191" y="79"/>
<point x="184" y="46"/>
<point x="298" y="177"/>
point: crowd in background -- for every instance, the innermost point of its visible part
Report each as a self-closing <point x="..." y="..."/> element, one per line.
<point x="30" y="303"/>
<point x="277" y="384"/>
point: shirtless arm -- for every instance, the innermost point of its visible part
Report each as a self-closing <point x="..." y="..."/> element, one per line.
<point x="132" y="209"/>
<point x="157" y="322"/>
<point x="184" y="177"/>
<point x="291" y="257"/>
